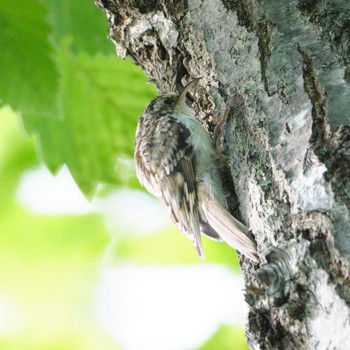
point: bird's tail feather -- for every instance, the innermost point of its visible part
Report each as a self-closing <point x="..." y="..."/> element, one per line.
<point x="228" y="228"/>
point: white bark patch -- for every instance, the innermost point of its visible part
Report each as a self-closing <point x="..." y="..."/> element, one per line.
<point x="166" y="30"/>
<point x="300" y="119"/>
<point x="138" y="27"/>
<point x="329" y="329"/>
<point x="310" y="191"/>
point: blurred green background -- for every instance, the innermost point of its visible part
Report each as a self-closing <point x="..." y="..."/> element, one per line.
<point x="67" y="101"/>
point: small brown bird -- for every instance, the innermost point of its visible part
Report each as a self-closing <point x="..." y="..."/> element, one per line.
<point x="176" y="161"/>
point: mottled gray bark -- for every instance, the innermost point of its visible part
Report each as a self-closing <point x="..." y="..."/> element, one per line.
<point x="286" y="64"/>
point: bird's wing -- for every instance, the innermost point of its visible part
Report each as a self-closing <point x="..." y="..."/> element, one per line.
<point x="179" y="194"/>
<point x="167" y="163"/>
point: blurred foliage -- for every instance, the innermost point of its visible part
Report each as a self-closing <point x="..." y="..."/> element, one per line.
<point x="226" y="338"/>
<point x="47" y="263"/>
<point x="60" y="73"/>
<point x="173" y="247"/>
<point x="80" y="106"/>
<point x="29" y="77"/>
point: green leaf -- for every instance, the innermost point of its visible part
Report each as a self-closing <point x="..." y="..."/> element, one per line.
<point x="82" y="108"/>
<point x="28" y="78"/>
<point x="101" y="101"/>
<point x="81" y="21"/>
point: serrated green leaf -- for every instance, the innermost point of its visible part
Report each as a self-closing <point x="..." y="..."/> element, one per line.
<point x="28" y="78"/>
<point x="81" y="21"/>
<point x="101" y="101"/>
<point x="82" y="109"/>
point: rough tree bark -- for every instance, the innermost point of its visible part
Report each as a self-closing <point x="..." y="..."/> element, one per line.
<point x="286" y="64"/>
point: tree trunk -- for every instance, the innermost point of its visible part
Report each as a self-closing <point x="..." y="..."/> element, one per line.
<point x="286" y="65"/>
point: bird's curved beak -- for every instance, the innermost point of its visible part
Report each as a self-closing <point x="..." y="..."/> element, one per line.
<point x="186" y="89"/>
